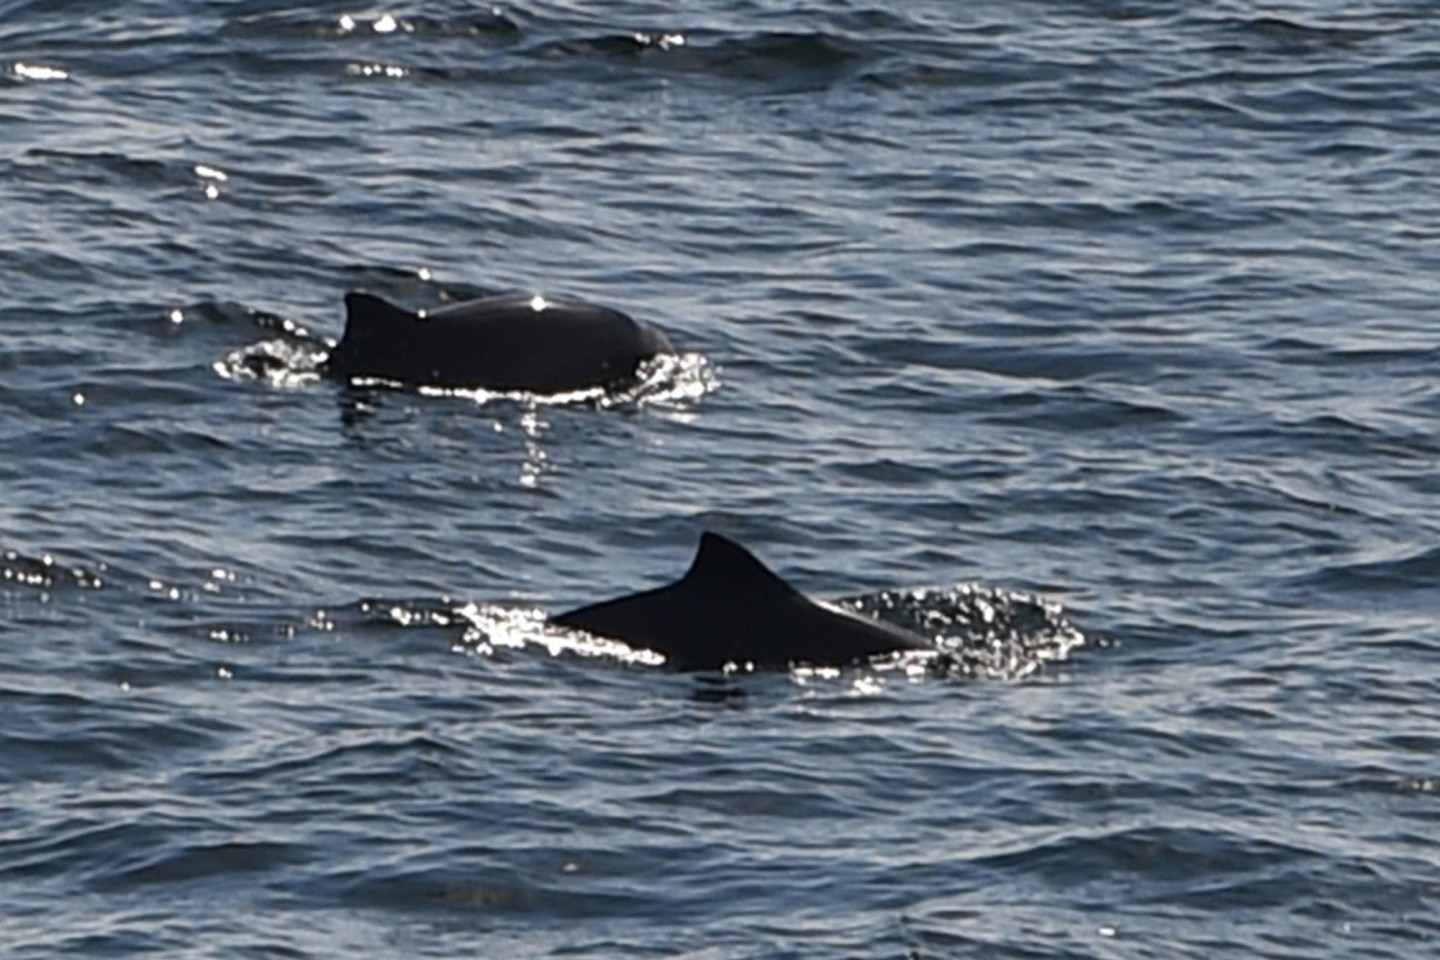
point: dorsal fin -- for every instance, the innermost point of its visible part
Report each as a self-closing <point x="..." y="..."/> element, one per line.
<point x="365" y="312"/>
<point x="722" y="562"/>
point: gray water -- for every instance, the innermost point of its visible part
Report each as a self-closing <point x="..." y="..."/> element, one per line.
<point x="1100" y="334"/>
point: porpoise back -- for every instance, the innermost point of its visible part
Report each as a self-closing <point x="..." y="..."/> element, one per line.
<point x="498" y="343"/>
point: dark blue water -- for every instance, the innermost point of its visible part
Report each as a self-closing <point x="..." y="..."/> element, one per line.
<point x="1123" y="312"/>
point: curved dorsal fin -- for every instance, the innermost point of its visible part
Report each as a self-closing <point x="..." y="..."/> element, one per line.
<point x="369" y="315"/>
<point x="722" y="564"/>
<point x="367" y="311"/>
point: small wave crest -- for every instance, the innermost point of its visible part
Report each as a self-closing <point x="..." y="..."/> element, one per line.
<point x="304" y="24"/>
<point x="978" y="631"/>
<point x="45" y="573"/>
<point x="1405" y="574"/>
<point x="280" y="363"/>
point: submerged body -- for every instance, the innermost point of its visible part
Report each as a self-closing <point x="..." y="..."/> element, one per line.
<point x="730" y="608"/>
<point x="498" y="343"/>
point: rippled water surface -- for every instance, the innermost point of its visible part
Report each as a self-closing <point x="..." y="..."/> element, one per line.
<point x="1096" y="338"/>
